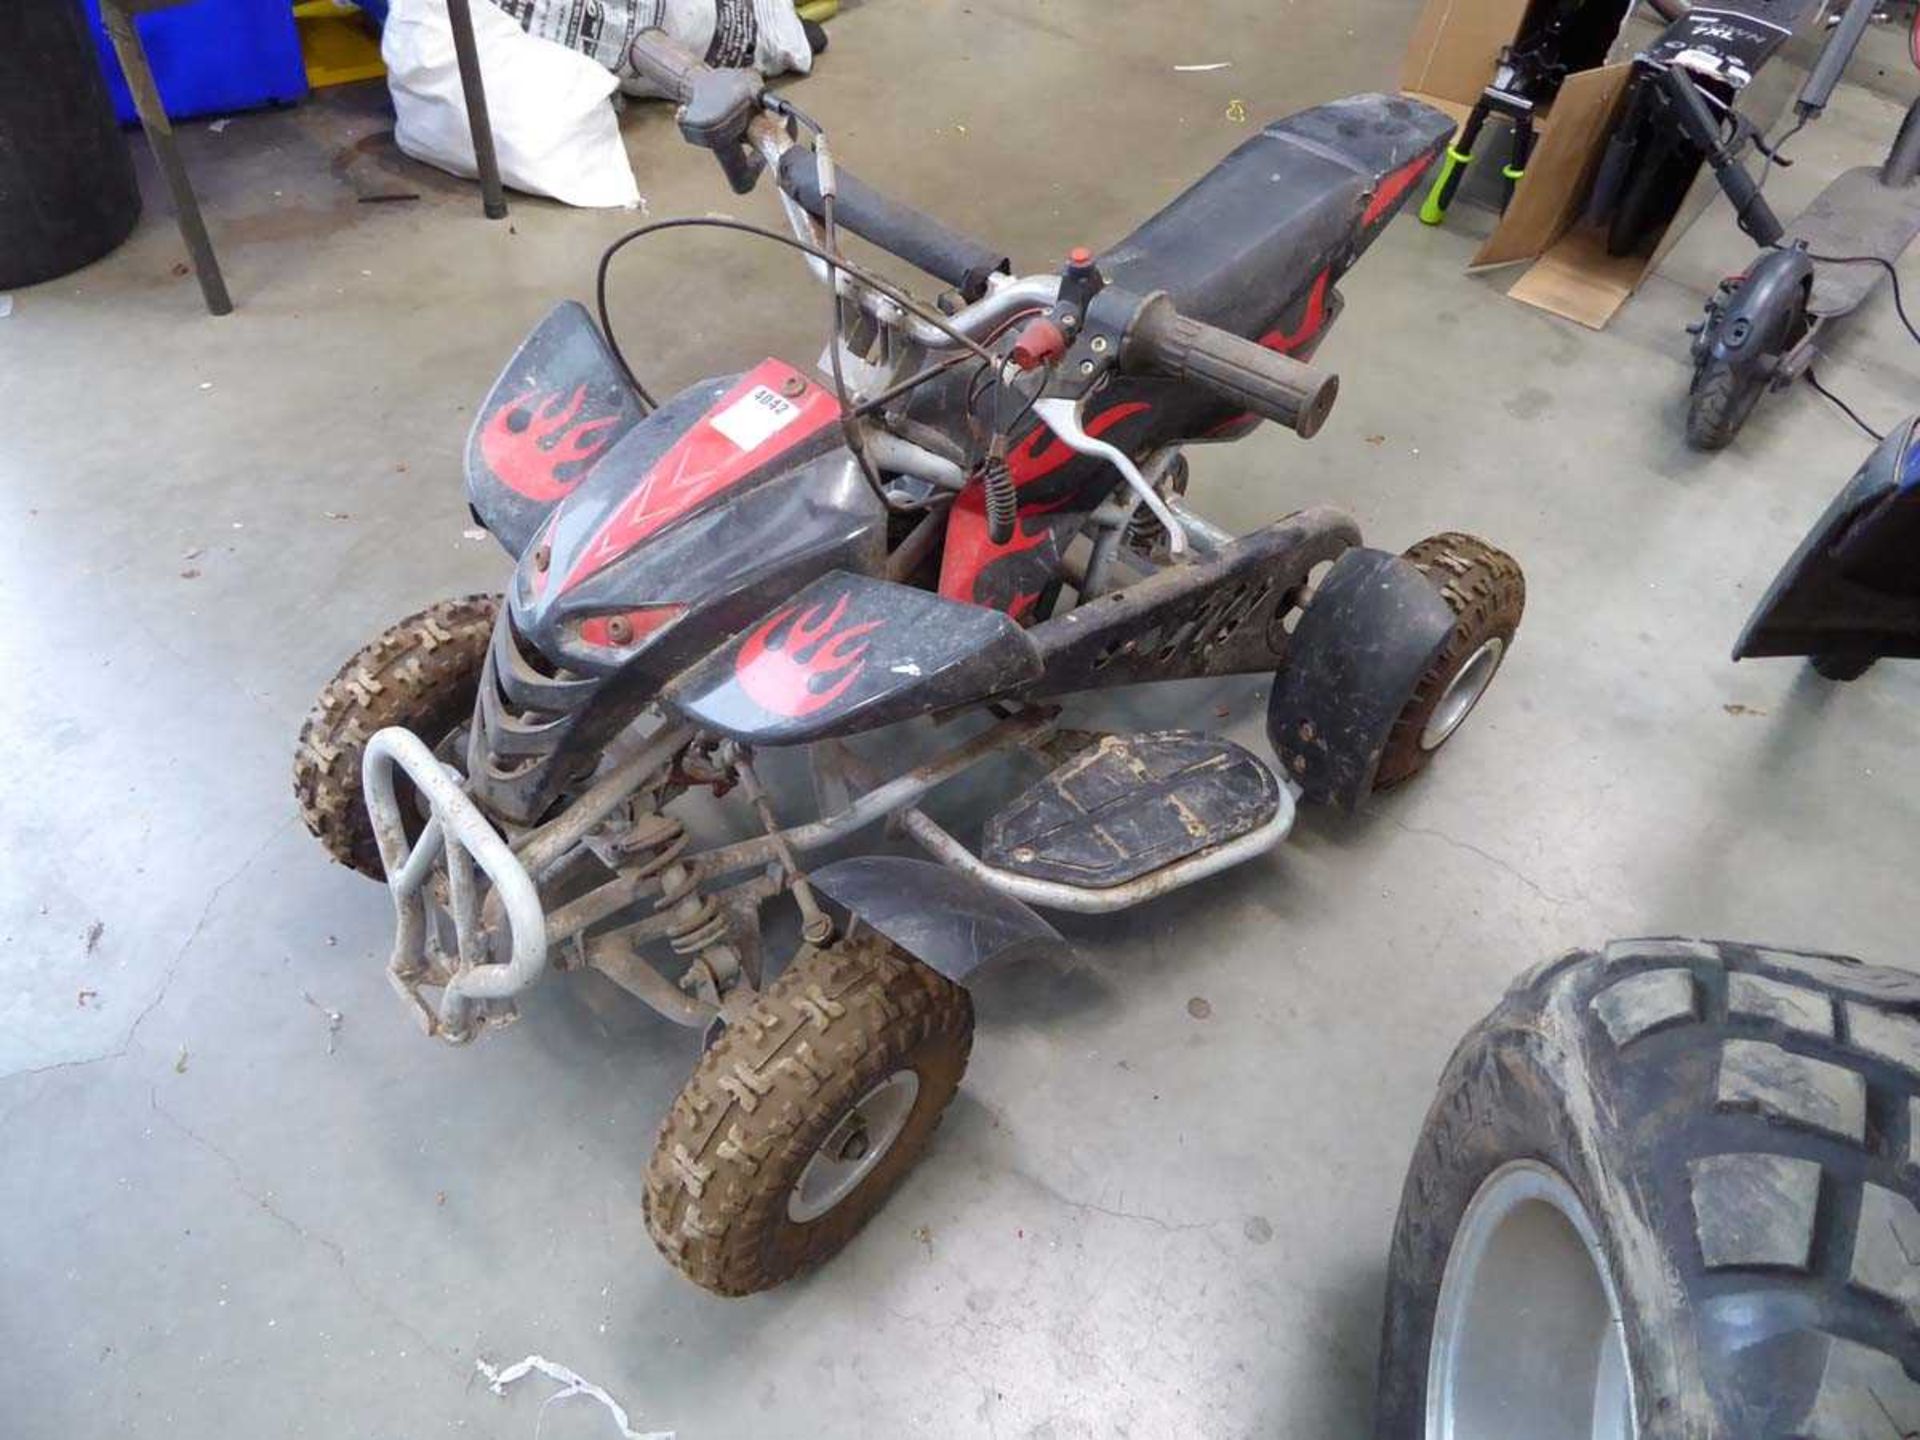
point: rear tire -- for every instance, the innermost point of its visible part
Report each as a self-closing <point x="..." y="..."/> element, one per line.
<point x="423" y="673"/>
<point x="1487" y="593"/>
<point x="733" y="1198"/>
<point x="1734" y="1129"/>
<point x="1719" y="403"/>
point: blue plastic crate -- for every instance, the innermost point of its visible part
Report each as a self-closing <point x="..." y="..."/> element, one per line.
<point x="212" y="57"/>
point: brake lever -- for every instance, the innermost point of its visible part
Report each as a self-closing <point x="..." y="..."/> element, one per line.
<point x="1062" y="416"/>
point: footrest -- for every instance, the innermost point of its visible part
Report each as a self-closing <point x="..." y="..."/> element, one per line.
<point x="1855" y="215"/>
<point x="1131" y="805"/>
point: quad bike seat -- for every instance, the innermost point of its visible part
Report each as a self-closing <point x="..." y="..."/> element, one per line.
<point x="1300" y="197"/>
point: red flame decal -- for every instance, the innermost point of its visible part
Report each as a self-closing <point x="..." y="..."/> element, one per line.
<point x="781" y="676"/>
<point x="1393" y="187"/>
<point x="531" y="439"/>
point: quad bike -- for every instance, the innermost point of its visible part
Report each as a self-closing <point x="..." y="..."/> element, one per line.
<point x="1850" y="594"/>
<point x="981" y="516"/>
<point x="1669" y="1190"/>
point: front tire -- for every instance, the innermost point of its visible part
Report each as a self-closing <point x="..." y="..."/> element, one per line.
<point x="422" y="673"/>
<point x="1487" y="593"/>
<point x="1719" y="403"/>
<point x="1667" y="1192"/>
<point x="804" y="1115"/>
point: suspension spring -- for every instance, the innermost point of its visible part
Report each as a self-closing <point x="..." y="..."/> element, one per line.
<point x="696" y="922"/>
<point x="1002" y="499"/>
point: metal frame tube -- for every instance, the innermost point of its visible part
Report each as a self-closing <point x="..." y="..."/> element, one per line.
<point x="1052" y="895"/>
<point x="467" y="836"/>
<point x="473" y="89"/>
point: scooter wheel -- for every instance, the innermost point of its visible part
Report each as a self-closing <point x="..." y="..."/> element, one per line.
<point x="806" y="1112"/>
<point x="1666" y="1191"/>
<point x="1487" y="593"/>
<point x="1721" y="400"/>
<point x="1841" y="665"/>
<point x="423" y="673"/>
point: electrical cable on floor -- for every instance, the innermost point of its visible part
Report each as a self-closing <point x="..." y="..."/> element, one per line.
<point x="1845" y="409"/>
<point x="1899" y="308"/>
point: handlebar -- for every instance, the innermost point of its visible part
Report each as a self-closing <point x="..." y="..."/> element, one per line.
<point x="898" y="228"/>
<point x="718" y="106"/>
<point x="1162" y="341"/>
<point x="665" y="64"/>
<point x="1751" y="210"/>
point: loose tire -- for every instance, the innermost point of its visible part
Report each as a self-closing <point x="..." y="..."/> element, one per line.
<point x="1719" y="403"/>
<point x="1654" y="187"/>
<point x="423" y="673"/>
<point x="1841" y="665"/>
<point x="734" y="1198"/>
<point x="1674" y="1182"/>
<point x="1487" y="593"/>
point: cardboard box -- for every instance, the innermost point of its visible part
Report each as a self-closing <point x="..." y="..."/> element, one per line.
<point x="1451" y="58"/>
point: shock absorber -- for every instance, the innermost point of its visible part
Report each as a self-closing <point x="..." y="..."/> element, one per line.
<point x="696" y="925"/>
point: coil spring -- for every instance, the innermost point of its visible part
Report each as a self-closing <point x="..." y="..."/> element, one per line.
<point x="704" y="923"/>
<point x="1003" y="500"/>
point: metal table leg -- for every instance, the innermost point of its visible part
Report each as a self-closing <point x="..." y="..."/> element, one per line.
<point x="153" y="119"/>
<point x="492" y="198"/>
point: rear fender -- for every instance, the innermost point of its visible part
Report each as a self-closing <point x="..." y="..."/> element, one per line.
<point x="943" y="919"/>
<point x="852" y="653"/>
<point x="1371" y="630"/>
<point x="559" y="405"/>
<point x="1850" y="586"/>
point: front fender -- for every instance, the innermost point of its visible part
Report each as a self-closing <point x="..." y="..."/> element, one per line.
<point x="1849" y="586"/>
<point x="558" y="406"/>
<point x="850" y="653"/>
<point x="942" y="918"/>
<point x="1371" y="630"/>
<point x="1761" y="317"/>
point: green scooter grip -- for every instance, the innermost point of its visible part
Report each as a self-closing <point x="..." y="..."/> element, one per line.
<point x="1434" y="208"/>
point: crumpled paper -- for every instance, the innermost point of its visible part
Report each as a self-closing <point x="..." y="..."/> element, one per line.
<point x="571" y="1384"/>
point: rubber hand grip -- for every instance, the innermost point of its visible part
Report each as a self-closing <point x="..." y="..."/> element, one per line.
<point x="1162" y="341"/>
<point x="665" y="64"/>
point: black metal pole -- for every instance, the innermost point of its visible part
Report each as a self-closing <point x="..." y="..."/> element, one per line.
<point x="159" y="131"/>
<point x="492" y="198"/>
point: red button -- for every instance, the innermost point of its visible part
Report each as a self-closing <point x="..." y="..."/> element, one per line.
<point x="1080" y="255"/>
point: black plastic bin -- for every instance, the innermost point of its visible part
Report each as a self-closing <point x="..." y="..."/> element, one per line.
<point x="67" y="190"/>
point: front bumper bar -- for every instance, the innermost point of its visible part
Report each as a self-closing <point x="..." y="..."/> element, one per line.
<point x="469" y="977"/>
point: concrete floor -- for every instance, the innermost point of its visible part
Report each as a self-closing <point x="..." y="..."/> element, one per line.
<point x="1134" y="1221"/>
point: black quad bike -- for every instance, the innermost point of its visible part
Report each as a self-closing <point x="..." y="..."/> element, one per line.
<point x="1850" y="594"/>
<point x="982" y="515"/>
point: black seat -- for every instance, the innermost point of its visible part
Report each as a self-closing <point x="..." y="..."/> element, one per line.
<point x="1306" y="193"/>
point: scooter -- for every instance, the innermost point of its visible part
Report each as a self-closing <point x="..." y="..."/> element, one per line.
<point x="1764" y="328"/>
<point x="1526" y="76"/>
<point x="1850" y="594"/>
<point x="982" y="514"/>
